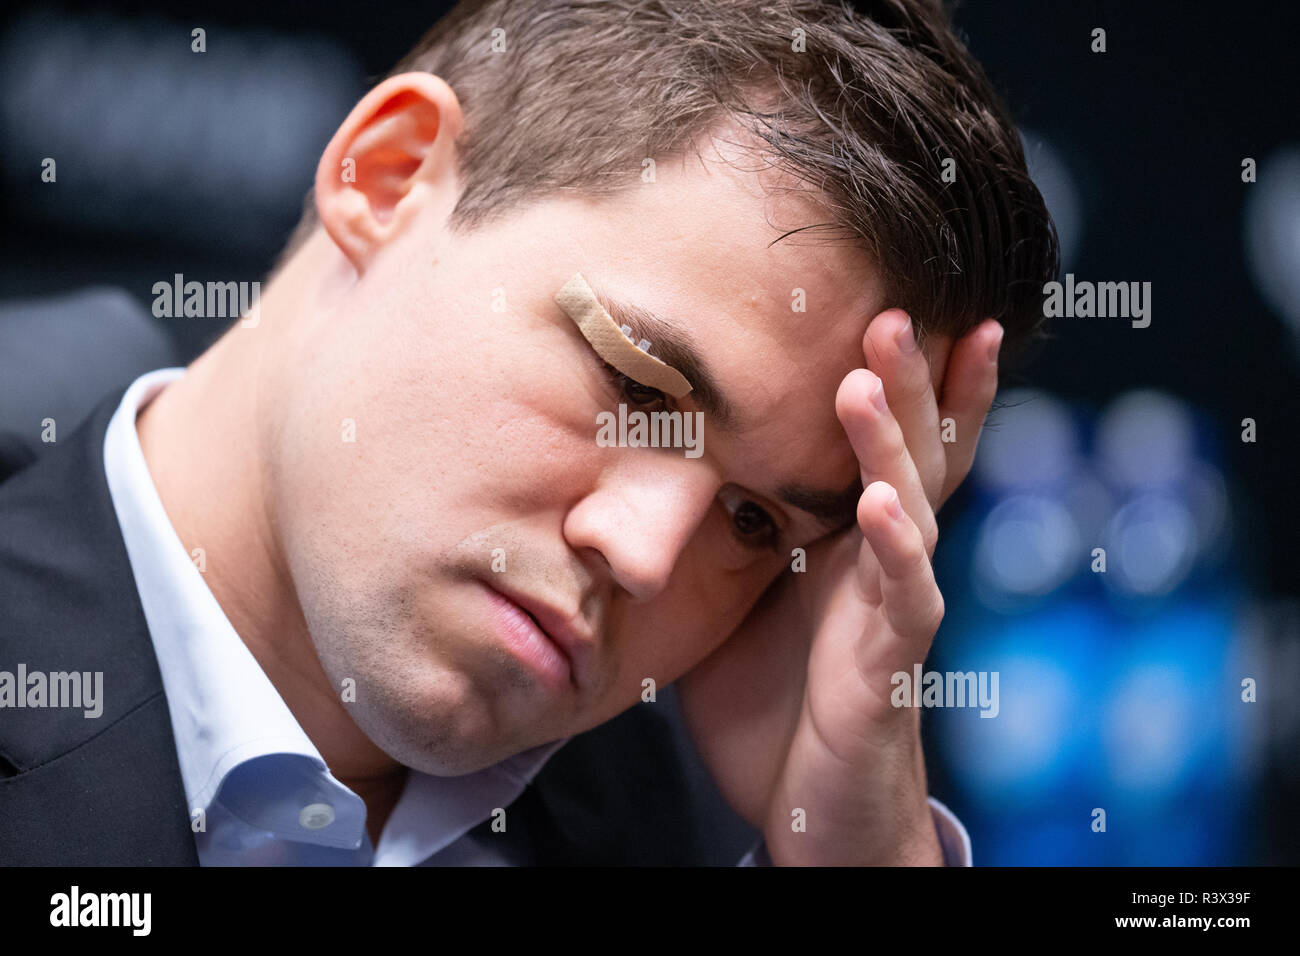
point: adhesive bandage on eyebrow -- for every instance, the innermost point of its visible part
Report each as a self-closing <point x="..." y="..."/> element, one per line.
<point x="612" y="344"/>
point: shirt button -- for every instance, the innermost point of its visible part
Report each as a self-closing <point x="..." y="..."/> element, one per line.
<point x="316" y="815"/>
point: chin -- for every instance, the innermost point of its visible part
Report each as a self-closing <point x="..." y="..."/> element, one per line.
<point x="440" y="735"/>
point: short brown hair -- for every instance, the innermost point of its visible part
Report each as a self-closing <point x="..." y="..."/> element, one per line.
<point x="868" y="105"/>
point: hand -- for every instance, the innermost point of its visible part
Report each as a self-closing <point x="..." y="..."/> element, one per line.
<point x="793" y="711"/>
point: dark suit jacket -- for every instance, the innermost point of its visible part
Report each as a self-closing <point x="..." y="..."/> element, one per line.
<point x="80" y="791"/>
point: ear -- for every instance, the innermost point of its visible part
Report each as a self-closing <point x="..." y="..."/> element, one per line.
<point x="394" y="154"/>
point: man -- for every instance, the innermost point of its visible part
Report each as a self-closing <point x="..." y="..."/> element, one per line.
<point x="387" y="556"/>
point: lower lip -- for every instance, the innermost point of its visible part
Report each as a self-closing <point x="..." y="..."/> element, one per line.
<point x="529" y="643"/>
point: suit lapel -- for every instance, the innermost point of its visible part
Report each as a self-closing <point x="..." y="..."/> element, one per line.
<point x="73" y="789"/>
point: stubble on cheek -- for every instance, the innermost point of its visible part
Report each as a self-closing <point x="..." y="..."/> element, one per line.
<point x="404" y="700"/>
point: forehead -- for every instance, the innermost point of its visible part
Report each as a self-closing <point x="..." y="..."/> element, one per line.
<point x="778" y="323"/>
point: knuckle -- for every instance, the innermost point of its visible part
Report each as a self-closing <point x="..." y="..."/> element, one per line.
<point x="940" y="608"/>
<point x="916" y="377"/>
<point x="900" y="457"/>
<point x="920" y="562"/>
<point x="914" y="563"/>
<point x="930" y="534"/>
<point x="934" y="613"/>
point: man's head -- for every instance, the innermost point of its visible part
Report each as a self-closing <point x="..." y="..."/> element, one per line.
<point x="767" y="178"/>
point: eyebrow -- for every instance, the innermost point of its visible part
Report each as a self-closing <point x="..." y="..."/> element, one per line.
<point x="835" y="510"/>
<point x="673" y="345"/>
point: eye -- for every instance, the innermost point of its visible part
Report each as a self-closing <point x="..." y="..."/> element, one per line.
<point x="634" y="393"/>
<point x="751" y="525"/>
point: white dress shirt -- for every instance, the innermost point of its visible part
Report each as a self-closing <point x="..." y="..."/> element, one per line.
<point x="258" y="790"/>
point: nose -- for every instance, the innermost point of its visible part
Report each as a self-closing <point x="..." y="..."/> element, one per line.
<point x="641" y="515"/>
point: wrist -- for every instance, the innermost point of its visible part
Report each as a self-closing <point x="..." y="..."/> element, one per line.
<point x="897" y="832"/>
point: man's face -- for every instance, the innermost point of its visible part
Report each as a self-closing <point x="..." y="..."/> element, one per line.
<point x="475" y="398"/>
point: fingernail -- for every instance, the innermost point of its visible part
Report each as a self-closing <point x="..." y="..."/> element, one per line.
<point x="905" y="339"/>
<point x="996" y="345"/>
<point x="878" y="396"/>
<point x="894" y="506"/>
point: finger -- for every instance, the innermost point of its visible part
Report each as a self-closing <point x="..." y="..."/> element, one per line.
<point x="891" y="351"/>
<point x="969" y="386"/>
<point x="909" y="595"/>
<point x="878" y="443"/>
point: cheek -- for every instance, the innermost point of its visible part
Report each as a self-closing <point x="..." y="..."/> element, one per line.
<point x="452" y="429"/>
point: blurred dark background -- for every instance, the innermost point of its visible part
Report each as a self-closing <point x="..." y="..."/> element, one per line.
<point x="1121" y="690"/>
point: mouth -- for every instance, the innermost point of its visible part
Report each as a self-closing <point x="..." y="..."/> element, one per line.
<point x="541" y="637"/>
